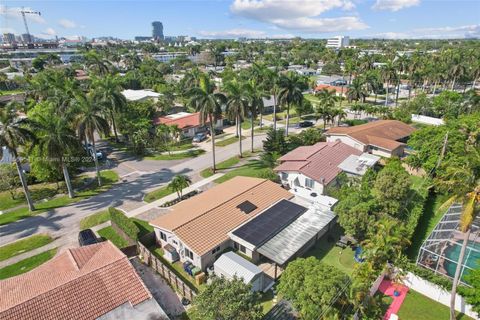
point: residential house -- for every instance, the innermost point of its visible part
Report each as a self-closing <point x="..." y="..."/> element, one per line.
<point x="86" y="283"/>
<point x="202" y="227"/>
<point x="140" y="95"/>
<point x="339" y="91"/>
<point x="385" y="138"/>
<point x="308" y="170"/>
<point x="190" y="123"/>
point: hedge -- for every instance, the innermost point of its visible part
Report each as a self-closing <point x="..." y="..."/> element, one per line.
<point x="124" y="223"/>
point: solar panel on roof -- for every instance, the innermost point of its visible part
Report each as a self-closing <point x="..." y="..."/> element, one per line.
<point x="264" y="226"/>
<point x="247" y="207"/>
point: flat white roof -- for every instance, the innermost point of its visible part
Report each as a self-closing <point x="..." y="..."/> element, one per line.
<point x="135" y="95"/>
<point x="232" y="264"/>
<point x="427" y="120"/>
<point x="177" y="115"/>
<point x="359" y="164"/>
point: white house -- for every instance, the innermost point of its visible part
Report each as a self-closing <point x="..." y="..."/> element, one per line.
<point x="140" y="95"/>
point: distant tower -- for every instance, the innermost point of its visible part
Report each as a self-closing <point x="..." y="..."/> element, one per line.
<point x="157" y="30"/>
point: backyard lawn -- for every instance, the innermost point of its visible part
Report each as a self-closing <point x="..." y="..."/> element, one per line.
<point x="328" y="253"/>
<point x="108" y="233"/>
<point x="417" y="306"/>
<point x="94" y="219"/>
<point x="26" y="264"/>
<point x="109" y="177"/>
<point x="24" y="245"/>
<point x="158" y="194"/>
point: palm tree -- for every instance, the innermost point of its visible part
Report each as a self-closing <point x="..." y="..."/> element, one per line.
<point x="356" y="90"/>
<point x="327" y="100"/>
<point x="290" y="93"/>
<point x="340" y="114"/>
<point x="237" y="104"/>
<point x="13" y="134"/>
<point x="89" y="118"/>
<point x="97" y="63"/>
<point x="389" y="74"/>
<point x="178" y="183"/>
<point x="401" y="62"/>
<point x="108" y="92"/>
<point x="56" y="139"/>
<point x="463" y="180"/>
<point x="205" y="100"/>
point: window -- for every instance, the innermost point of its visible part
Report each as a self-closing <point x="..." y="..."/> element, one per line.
<point x="189" y="253"/>
<point x="216" y="250"/>
<point x="235" y="246"/>
<point x="309" y="183"/>
<point x="284" y="176"/>
<point x="163" y="236"/>
<point x="243" y="249"/>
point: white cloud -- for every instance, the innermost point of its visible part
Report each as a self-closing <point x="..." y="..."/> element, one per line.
<point x="233" y="33"/>
<point x="49" y="33"/>
<point x="299" y="15"/>
<point x="14" y="13"/>
<point x="67" y="24"/>
<point x="394" y="5"/>
<point x="460" y="32"/>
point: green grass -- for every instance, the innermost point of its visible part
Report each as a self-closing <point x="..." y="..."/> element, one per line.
<point x="417" y="306"/>
<point x="109" y="177"/>
<point x="26" y="264"/>
<point x="109" y="233"/>
<point x="94" y="219"/>
<point x="176" y="156"/>
<point x="183" y="145"/>
<point x="328" y="253"/>
<point x="24" y="245"/>
<point x="226" y="142"/>
<point x="6" y="92"/>
<point x="176" y="268"/>
<point x="220" y="166"/>
<point x="37" y="191"/>
<point x="247" y="124"/>
<point x="253" y="168"/>
<point x="158" y="194"/>
<point x="266" y="300"/>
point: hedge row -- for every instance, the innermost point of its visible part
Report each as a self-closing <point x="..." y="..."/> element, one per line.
<point x="124" y="223"/>
<point x="429" y="275"/>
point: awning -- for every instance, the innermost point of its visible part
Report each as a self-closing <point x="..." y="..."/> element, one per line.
<point x="290" y="240"/>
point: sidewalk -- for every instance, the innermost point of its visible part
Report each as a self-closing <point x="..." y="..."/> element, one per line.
<point x="173" y="196"/>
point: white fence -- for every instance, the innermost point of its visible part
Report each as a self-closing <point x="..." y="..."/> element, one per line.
<point x="438" y="294"/>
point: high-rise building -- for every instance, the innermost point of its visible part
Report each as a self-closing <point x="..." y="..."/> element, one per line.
<point x="8" y="38"/>
<point x="157" y="30"/>
<point x="338" y="42"/>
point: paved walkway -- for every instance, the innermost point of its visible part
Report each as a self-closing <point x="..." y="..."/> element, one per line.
<point x="173" y="196"/>
<point x="388" y="288"/>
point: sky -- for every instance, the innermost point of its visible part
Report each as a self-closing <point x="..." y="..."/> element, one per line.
<point x="391" y="19"/>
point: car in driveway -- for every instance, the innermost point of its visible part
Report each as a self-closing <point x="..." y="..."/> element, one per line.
<point x="305" y="124"/>
<point x="87" y="237"/>
<point x="216" y="130"/>
<point x="199" y="137"/>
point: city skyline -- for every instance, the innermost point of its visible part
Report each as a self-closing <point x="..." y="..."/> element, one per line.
<point x="251" y="19"/>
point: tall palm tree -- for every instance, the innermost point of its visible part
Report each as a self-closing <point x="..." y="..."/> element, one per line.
<point x="209" y="103"/>
<point x="290" y="93"/>
<point x="13" y="134"/>
<point x="96" y="63"/>
<point x="237" y="104"/>
<point x="88" y="120"/>
<point x="401" y="63"/>
<point x="107" y="91"/>
<point x="178" y="183"/>
<point x="340" y="114"/>
<point x="327" y="100"/>
<point x="389" y="74"/>
<point x="356" y="90"/>
<point x="463" y="180"/>
<point x="56" y="139"/>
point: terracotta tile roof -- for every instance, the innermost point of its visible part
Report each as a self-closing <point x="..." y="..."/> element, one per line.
<point x="187" y="121"/>
<point x="203" y="222"/>
<point x="331" y="88"/>
<point x="321" y="165"/>
<point x="382" y="133"/>
<point x="81" y="283"/>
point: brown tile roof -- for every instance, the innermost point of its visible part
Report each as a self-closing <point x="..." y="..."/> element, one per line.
<point x="81" y="283"/>
<point x="382" y="133"/>
<point x="203" y="222"/>
<point x="337" y="89"/>
<point x="320" y="165"/>
<point x="187" y="121"/>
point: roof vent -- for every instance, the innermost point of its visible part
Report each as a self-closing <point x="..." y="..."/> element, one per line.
<point x="247" y="207"/>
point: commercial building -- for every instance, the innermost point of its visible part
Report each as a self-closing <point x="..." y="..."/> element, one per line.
<point x="86" y="283"/>
<point x="8" y="38"/>
<point x="385" y="138"/>
<point x="157" y="30"/>
<point x="338" y="42"/>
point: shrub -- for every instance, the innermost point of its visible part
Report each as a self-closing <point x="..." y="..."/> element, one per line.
<point x="124" y="223"/>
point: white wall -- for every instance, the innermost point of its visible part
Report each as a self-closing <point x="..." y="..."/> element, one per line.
<point x="348" y="141"/>
<point x="438" y="294"/>
<point x="317" y="187"/>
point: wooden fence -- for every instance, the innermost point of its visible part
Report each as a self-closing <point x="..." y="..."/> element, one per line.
<point x="165" y="272"/>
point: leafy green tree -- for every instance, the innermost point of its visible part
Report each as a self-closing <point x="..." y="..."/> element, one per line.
<point x="357" y="91"/>
<point x="225" y="299"/>
<point x="307" y="137"/>
<point x="313" y="287"/>
<point x="178" y="183"/>
<point x="327" y="101"/>
<point x="208" y="102"/>
<point x="472" y="293"/>
<point x="275" y="142"/>
<point x="14" y="133"/>
<point x="10" y="181"/>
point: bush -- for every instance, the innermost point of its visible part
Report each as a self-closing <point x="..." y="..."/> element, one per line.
<point x="430" y="276"/>
<point x="124" y="223"/>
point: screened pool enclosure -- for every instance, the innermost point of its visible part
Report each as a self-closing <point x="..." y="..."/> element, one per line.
<point x="441" y="250"/>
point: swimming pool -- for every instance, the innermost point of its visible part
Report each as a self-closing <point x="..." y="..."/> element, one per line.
<point x="471" y="259"/>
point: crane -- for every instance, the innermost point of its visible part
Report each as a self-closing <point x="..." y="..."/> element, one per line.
<point x="24" y="12"/>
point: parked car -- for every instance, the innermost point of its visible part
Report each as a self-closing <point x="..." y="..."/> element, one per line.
<point x="199" y="137"/>
<point x="87" y="237"/>
<point x="339" y="82"/>
<point x="305" y="124"/>
<point x="216" y="130"/>
<point x="89" y="149"/>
